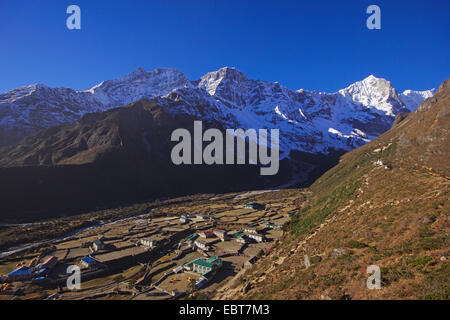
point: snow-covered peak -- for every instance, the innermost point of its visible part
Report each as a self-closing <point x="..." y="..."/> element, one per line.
<point x="371" y="77"/>
<point x="412" y="99"/>
<point x="138" y="84"/>
<point x="167" y="76"/>
<point x="138" y="73"/>
<point x="225" y="77"/>
<point x="367" y="86"/>
<point x="373" y="92"/>
<point x="18" y="93"/>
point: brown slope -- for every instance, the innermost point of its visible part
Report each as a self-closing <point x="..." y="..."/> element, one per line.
<point x="130" y="128"/>
<point x="394" y="215"/>
<point x="106" y="159"/>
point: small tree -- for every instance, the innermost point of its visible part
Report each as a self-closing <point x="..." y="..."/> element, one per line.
<point x="191" y="286"/>
<point x="260" y="253"/>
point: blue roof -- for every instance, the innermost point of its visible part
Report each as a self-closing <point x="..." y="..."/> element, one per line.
<point x="22" y="271"/>
<point x="88" y="259"/>
<point x="43" y="271"/>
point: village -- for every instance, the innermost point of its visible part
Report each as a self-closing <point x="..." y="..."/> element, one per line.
<point x="168" y="254"/>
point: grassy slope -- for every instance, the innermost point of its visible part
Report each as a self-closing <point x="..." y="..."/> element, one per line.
<point x="396" y="218"/>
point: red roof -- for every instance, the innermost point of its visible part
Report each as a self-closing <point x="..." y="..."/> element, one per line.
<point x="206" y="233"/>
<point x="50" y="262"/>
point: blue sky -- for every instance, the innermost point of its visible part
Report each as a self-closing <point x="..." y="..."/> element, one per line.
<point x="319" y="45"/>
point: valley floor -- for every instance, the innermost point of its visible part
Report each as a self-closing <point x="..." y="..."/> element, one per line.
<point x="129" y="268"/>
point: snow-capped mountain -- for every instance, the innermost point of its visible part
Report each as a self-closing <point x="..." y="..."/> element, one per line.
<point x="413" y="98"/>
<point x="309" y="121"/>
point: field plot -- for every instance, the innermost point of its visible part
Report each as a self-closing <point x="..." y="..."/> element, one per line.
<point x="235" y="261"/>
<point x="157" y="271"/>
<point x="247" y="220"/>
<point x="77" y="253"/>
<point x="280" y="220"/>
<point x="121" y="244"/>
<point x="219" y="206"/>
<point x="274" y="234"/>
<point x="116" y="232"/>
<point x="178" y="282"/>
<point x="228" y="246"/>
<point x="159" y="219"/>
<point x="254" y="248"/>
<point x="141" y="234"/>
<point x="59" y="253"/>
<point x="257" y="214"/>
<point x="72" y="244"/>
<point x="228" y="219"/>
<point x="189" y="257"/>
<point x="174" y="228"/>
<point x="238" y="212"/>
<point x="108" y="280"/>
<point x="168" y="257"/>
<point x="275" y="205"/>
<point x="110" y="256"/>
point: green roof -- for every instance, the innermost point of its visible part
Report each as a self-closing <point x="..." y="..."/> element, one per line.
<point x="238" y="235"/>
<point x="212" y="259"/>
<point x="208" y="264"/>
<point x="193" y="237"/>
<point x="215" y="260"/>
<point x="254" y="205"/>
<point x="204" y="263"/>
<point x="191" y="262"/>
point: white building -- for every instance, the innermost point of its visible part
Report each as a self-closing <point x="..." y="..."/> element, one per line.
<point x="251" y="230"/>
<point x="200" y="245"/>
<point x="221" y="234"/>
<point x="257" y="237"/>
<point x="148" y="242"/>
<point x="98" y="245"/>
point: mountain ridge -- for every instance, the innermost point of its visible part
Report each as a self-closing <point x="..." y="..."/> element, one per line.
<point x="344" y="120"/>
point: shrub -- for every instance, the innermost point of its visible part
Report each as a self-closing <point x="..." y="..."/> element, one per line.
<point x="119" y="278"/>
<point x="421" y="262"/>
<point x="355" y="244"/>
